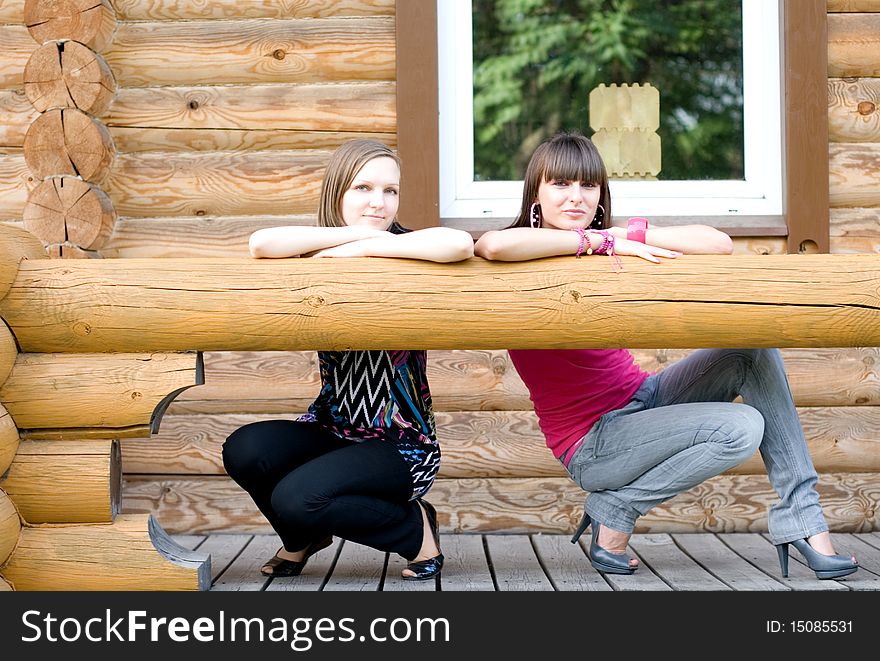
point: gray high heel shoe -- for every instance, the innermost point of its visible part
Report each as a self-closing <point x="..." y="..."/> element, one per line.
<point x="825" y="566"/>
<point x="602" y="560"/>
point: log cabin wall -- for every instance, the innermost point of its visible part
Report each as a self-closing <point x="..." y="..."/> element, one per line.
<point x="222" y="119"/>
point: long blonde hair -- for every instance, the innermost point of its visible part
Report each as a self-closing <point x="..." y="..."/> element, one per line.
<point x="343" y="167"/>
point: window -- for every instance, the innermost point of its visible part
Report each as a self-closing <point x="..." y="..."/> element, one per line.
<point x="746" y="189"/>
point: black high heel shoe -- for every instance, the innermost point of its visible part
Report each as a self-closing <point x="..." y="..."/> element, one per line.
<point x="282" y="567"/>
<point x="825" y="566"/>
<point x="602" y="560"/>
<point x="425" y="569"/>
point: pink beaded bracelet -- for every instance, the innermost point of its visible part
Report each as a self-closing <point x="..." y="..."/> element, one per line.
<point x="607" y="248"/>
<point x="581" y="233"/>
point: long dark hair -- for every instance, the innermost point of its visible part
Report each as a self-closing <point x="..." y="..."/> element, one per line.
<point x="569" y="156"/>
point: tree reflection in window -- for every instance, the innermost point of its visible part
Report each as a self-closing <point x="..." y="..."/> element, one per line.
<point x="535" y="62"/>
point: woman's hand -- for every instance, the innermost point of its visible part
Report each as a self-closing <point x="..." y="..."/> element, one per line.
<point x="359" y="248"/>
<point x="435" y="244"/>
<point x="297" y="241"/>
<point x="643" y="250"/>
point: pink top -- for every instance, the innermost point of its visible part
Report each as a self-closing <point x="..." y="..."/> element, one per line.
<point x="572" y="388"/>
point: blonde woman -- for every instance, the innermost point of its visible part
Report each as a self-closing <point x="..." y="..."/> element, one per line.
<point x="358" y="464"/>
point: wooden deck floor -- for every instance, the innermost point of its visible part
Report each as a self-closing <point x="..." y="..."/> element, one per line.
<point x="678" y="562"/>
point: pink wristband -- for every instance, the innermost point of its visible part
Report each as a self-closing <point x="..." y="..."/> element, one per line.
<point x="636" y="229"/>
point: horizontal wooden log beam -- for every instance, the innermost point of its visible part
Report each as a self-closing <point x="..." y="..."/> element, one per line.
<point x="276" y="50"/>
<point x="253" y="51"/>
<point x="16" y="181"/>
<point x="142" y="127"/>
<point x="853" y="41"/>
<point x="186" y="10"/>
<point x="263" y="181"/>
<point x="854" y="174"/>
<point x="727" y="503"/>
<point x="356" y="106"/>
<point x="119" y="556"/>
<point x="216" y="184"/>
<point x="17" y="49"/>
<point x="361" y="303"/>
<point x="137" y="139"/>
<point x="841" y="439"/>
<point x="85" y="433"/>
<point x="853" y="5"/>
<point x="112" y="391"/>
<point x="193" y="236"/>
<point x="273" y="382"/>
<point x="854" y="110"/>
<point x="66" y="481"/>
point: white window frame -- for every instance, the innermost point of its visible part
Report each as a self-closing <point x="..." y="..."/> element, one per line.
<point x="760" y="194"/>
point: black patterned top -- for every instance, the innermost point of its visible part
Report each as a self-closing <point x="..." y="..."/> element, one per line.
<point x="381" y="395"/>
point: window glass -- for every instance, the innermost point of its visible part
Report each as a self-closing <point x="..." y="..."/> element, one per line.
<point x="536" y="61"/>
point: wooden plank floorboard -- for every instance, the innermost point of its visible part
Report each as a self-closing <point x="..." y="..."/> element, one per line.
<point x="394" y="581"/>
<point x="515" y="565"/>
<point x="872" y="538"/>
<point x="721" y="561"/>
<point x="761" y="553"/>
<point x="223" y="549"/>
<point x="466" y="568"/>
<point x="868" y="575"/>
<point x="643" y="580"/>
<point x="567" y="564"/>
<point x="313" y="576"/>
<point x="541" y="562"/>
<point x="674" y="566"/>
<point x="243" y="574"/>
<point x="358" y="568"/>
<point x="190" y="542"/>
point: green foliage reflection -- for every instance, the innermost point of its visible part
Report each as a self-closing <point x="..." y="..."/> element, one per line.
<point x="535" y="62"/>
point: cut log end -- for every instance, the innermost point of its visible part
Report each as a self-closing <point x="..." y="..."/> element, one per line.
<point x="8" y="353"/>
<point x="68" y="75"/>
<point x="10" y="527"/>
<point x="68" y="142"/>
<point x="132" y="553"/>
<point x="67" y="212"/>
<point x="9" y="440"/>
<point x="76" y="481"/>
<point x="179" y="555"/>
<point x="162" y="406"/>
<point x="90" y="22"/>
<point x="16" y="244"/>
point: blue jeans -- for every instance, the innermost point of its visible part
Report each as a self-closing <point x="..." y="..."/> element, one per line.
<point x="681" y="428"/>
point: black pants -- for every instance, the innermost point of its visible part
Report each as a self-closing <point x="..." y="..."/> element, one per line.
<point x="309" y="483"/>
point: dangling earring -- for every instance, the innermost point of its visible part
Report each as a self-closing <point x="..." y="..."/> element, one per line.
<point x="535" y="215"/>
<point x="598" y="218"/>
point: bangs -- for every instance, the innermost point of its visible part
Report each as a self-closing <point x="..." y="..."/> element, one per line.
<point x="572" y="160"/>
